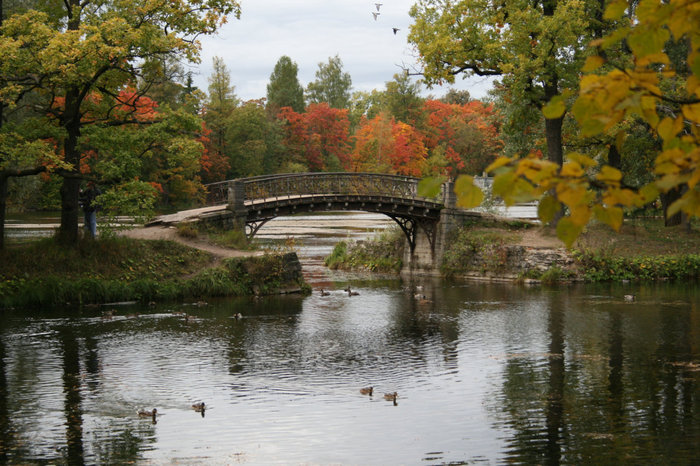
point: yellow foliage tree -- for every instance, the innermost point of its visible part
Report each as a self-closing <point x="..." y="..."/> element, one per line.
<point x="645" y="87"/>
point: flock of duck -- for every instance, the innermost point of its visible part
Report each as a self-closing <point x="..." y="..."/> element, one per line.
<point x="349" y="291"/>
<point x="387" y="396"/>
<point x="199" y="407"/>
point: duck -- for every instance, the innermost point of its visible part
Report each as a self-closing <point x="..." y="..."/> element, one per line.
<point x="629" y="297"/>
<point x="238" y="316"/>
<point x="107" y="315"/>
<point x="391" y="396"/>
<point x="325" y="293"/>
<point x="367" y="390"/>
<point x="146" y="413"/>
<point x="199" y="407"/>
<point x="352" y="293"/>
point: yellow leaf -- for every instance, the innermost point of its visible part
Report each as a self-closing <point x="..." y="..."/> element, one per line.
<point x="571" y="194"/>
<point x="503" y="184"/>
<point x="571" y="169"/>
<point x="615" y="9"/>
<point x="615" y="196"/>
<point x="555" y="108"/>
<point x="609" y="215"/>
<point x="691" y="112"/>
<point x="498" y="163"/>
<point x="567" y="231"/>
<point x="609" y="175"/>
<point x="430" y="187"/>
<point x="547" y="208"/>
<point x="593" y="62"/>
<point x="580" y="215"/>
<point x="693" y="85"/>
<point x="468" y="194"/>
<point x="581" y="159"/>
<point x="648" y="193"/>
<point x="665" y="129"/>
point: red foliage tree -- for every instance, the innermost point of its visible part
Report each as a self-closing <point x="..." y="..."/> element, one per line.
<point x="319" y="137"/>
<point x="383" y="145"/>
<point x="467" y="134"/>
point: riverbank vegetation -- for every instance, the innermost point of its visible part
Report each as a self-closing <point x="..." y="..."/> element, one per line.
<point x="39" y="273"/>
<point x="643" y="249"/>
<point x="383" y="253"/>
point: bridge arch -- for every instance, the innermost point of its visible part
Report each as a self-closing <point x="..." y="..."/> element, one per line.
<point x="252" y="202"/>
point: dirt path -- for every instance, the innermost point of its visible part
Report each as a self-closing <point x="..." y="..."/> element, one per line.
<point x="170" y="233"/>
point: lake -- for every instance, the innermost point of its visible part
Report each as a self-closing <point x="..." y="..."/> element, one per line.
<point x="484" y="373"/>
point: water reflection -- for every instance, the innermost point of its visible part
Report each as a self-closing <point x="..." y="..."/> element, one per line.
<point x="484" y="373"/>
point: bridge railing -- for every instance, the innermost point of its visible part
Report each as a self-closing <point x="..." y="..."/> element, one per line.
<point x="301" y="184"/>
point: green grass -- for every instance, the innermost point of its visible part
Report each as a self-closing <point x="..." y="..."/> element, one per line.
<point x="122" y="269"/>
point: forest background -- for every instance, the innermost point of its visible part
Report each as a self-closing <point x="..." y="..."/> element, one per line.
<point x="585" y="105"/>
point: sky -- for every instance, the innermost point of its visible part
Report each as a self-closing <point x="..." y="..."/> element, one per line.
<point x="310" y="32"/>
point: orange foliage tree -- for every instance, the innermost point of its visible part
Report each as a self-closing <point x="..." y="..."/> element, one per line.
<point x="383" y="145"/>
<point x="318" y="138"/>
<point x="467" y="135"/>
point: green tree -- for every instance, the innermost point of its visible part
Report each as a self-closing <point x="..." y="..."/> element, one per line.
<point x="403" y="101"/>
<point x="254" y="140"/>
<point x="21" y="153"/>
<point x="284" y="89"/>
<point x="332" y="85"/>
<point x="536" y="47"/>
<point x="81" y="52"/>
<point x="219" y="107"/>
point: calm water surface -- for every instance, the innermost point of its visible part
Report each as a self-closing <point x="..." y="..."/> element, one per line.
<point x="484" y="373"/>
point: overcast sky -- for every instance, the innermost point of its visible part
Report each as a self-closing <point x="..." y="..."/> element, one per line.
<point x="310" y="32"/>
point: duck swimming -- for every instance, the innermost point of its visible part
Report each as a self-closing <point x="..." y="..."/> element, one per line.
<point x="391" y="396"/>
<point x="146" y="413"/>
<point x="199" y="407"/>
<point x="325" y="293"/>
<point x="367" y="391"/>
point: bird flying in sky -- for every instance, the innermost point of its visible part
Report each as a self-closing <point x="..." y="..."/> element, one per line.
<point x="395" y="30"/>
<point x="375" y="15"/>
<point x="377" y="5"/>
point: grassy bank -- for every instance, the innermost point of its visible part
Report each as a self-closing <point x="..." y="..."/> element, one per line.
<point x="383" y="253"/>
<point x="123" y="269"/>
<point x="643" y="249"/>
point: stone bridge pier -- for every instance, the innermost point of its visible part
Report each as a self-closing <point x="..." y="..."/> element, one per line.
<point x="428" y="252"/>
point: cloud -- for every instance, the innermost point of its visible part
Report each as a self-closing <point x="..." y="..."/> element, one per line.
<point x="310" y="32"/>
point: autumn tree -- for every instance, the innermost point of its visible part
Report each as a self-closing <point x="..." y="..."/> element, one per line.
<point x="384" y="145"/>
<point x="284" y="89"/>
<point x="467" y="136"/>
<point x="663" y="92"/>
<point x="331" y="86"/>
<point x="80" y="51"/>
<point x="536" y="47"/>
<point x="318" y="138"/>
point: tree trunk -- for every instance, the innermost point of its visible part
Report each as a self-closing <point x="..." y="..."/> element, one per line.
<point x="666" y="200"/>
<point x="614" y="159"/>
<point x="552" y="129"/>
<point x="68" y="231"/>
<point x="3" y="206"/>
<point x="70" y="120"/>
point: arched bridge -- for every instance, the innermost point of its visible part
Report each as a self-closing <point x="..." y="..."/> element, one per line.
<point x="254" y="201"/>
